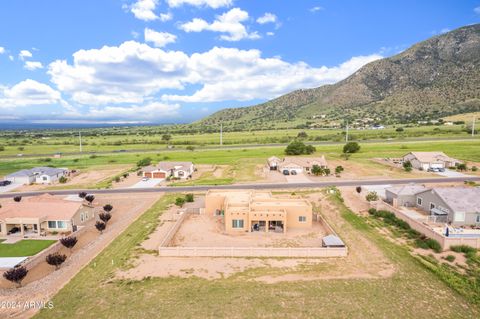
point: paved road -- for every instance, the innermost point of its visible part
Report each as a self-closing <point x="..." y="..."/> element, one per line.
<point x="242" y="146"/>
<point x="172" y="189"/>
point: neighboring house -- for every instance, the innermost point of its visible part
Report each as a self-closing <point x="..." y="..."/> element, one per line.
<point x="299" y="164"/>
<point x="39" y="215"/>
<point x="273" y="163"/>
<point x="249" y="210"/>
<point x="427" y="160"/>
<point x="459" y="205"/>
<point x="169" y="169"/>
<point x="403" y="195"/>
<point x="37" y="175"/>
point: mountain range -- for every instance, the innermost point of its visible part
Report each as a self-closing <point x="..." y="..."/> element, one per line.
<point x="432" y="79"/>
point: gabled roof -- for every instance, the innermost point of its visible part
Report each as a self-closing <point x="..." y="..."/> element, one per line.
<point x="460" y="199"/>
<point x="431" y="157"/>
<point x="406" y="190"/>
<point x="168" y="166"/>
<point x="304" y="161"/>
<point x="50" y="171"/>
<point x="273" y="159"/>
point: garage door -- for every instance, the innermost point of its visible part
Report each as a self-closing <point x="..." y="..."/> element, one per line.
<point x="158" y="175"/>
<point x="149" y="175"/>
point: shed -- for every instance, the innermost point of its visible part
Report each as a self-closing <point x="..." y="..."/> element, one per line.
<point x="332" y="241"/>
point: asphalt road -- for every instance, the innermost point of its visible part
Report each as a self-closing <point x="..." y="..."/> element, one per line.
<point x="173" y="189"/>
<point x="241" y="146"/>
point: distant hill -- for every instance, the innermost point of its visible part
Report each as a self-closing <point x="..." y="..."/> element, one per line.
<point x="432" y="79"/>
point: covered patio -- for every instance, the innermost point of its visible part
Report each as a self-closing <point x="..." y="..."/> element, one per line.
<point x="22" y="227"/>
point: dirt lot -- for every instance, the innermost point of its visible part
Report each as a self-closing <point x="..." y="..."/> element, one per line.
<point x="364" y="260"/>
<point x="42" y="282"/>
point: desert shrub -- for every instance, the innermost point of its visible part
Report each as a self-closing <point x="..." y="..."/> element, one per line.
<point x="17" y="198"/>
<point x="55" y="259"/>
<point x="105" y="217"/>
<point x="108" y="208"/>
<point x="434" y="245"/>
<point x="62" y="180"/>
<point x="189" y="198"/>
<point x="371" y="197"/>
<point x="16" y="275"/>
<point x="407" y="166"/>
<point x="372" y="211"/>
<point x="82" y="194"/>
<point x="351" y="147"/>
<point x="474" y="168"/>
<point x="450" y="258"/>
<point x="179" y="201"/>
<point x="69" y="242"/>
<point x="358" y="189"/>
<point x="467" y="250"/>
<point x="100" y="226"/>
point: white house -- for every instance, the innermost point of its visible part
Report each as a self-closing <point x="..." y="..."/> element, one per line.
<point x="180" y="170"/>
<point x="427" y="160"/>
<point x="37" y="175"/>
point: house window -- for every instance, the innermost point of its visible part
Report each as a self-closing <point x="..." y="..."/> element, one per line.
<point x="419" y="201"/>
<point x="302" y="219"/>
<point x="237" y="223"/>
<point x="82" y="217"/>
<point x="459" y="217"/>
<point x="61" y="224"/>
<point x="44" y="178"/>
<point x="52" y="224"/>
<point x="432" y="206"/>
<point x="477" y="220"/>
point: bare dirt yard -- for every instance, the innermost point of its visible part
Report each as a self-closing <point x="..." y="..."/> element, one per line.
<point x="42" y="281"/>
<point x="364" y="260"/>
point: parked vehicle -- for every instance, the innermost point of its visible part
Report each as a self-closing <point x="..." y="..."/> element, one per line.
<point x="145" y="179"/>
<point x="286" y="172"/>
<point x="294" y="173"/>
<point x="5" y="183"/>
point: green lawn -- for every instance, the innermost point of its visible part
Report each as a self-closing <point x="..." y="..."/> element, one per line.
<point x="412" y="292"/>
<point x="25" y="247"/>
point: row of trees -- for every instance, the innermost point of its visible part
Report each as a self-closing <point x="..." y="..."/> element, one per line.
<point x="297" y="147"/>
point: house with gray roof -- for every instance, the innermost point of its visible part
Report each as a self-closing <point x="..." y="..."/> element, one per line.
<point x="404" y="195"/>
<point x="180" y="170"/>
<point x="458" y="205"/>
<point x="37" y="175"/>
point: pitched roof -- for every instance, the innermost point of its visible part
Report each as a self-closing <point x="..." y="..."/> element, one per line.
<point x="304" y="161"/>
<point x="431" y="157"/>
<point x="43" y="206"/>
<point x="167" y="166"/>
<point x="50" y="171"/>
<point x="410" y="189"/>
<point x="273" y="159"/>
<point x="332" y="240"/>
<point x="460" y="199"/>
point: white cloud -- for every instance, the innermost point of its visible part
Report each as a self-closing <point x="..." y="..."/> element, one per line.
<point x="123" y="74"/>
<point x="270" y="33"/>
<point x="29" y="92"/>
<point x="214" y="4"/>
<point x="477" y="10"/>
<point x="33" y="65"/>
<point x="11" y="57"/>
<point x="233" y="74"/>
<point x="159" y="39"/>
<point x="164" y="17"/>
<point x="144" y="10"/>
<point x="135" y="73"/>
<point x="25" y="54"/>
<point x="267" y="18"/>
<point x="230" y="23"/>
<point x="149" y="112"/>
<point x="2" y="50"/>
<point x="316" y="9"/>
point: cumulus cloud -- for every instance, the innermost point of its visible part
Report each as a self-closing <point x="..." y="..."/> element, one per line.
<point x="229" y="23"/>
<point x="267" y="18"/>
<point x="149" y="112"/>
<point x="316" y="9"/>
<point x="477" y="10"/>
<point x="144" y="10"/>
<point x="2" y="50"/>
<point x="159" y="39"/>
<point x="29" y="92"/>
<point x="24" y="54"/>
<point x="135" y="73"/>
<point x="33" y="65"/>
<point x="123" y="74"/>
<point x="214" y="4"/>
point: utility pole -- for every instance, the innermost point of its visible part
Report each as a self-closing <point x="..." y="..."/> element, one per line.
<point x="346" y="134"/>
<point x="473" y="126"/>
<point x="221" y="134"/>
<point x="80" y="138"/>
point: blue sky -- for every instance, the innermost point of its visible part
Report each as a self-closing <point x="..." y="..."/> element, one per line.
<point x="172" y="61"/>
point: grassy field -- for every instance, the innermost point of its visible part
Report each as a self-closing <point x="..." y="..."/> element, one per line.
<point x="464" y="150"/>
<point x="412" y="292"/>
<point x="24" y="248"/>
<point x="58" y="142"/>
<point x="467" y="117"/>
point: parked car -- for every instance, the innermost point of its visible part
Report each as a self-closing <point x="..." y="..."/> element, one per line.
<point x="441" y="169"/>
<point x="145" y="179"/>
<point x="433" y="169"/>
<point x="5" y="183"/>
<point x="294" y="173"/>
<point x="286" y="172"/>
<point x="14" y="230"/>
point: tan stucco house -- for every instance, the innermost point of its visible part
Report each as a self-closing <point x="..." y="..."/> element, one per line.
<point x="180" y="170"/>
<point x="39" y="215"/>
<point x="297" y="164"/>
<point x="427" y="160"/>
<point x="250" y="210"/>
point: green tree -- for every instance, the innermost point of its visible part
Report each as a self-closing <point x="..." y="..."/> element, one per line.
<point x="179" y="201"/>
<point x="351" y="147"/>
<point x="144" y="162"/>
<point x="297" y="147"/>
<point x="371" y="196"/>
<point x="407" y="166"/>
<point x="302" y="135"/>
<point x="62" y="180"/>
<point x="189" y="198"/>
<point x="339" y="169"/>
<point x="400" y="129"/>
<point x="166" y="137"/>
<point x="462" y="167"/>
<point x="317" y="170"/>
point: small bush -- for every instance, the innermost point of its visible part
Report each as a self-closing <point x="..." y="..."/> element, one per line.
<point x="16" y="275"/>
<point x="450" y="258"/>
<point x="371" y="197"/>
<point x="180" y="201"/>
<point x="467" y="250"/>
<point x="372" y="211"/>
<point x="62" y="180"/>
<point x="56" y="259"/>
<point x="434" y="245"/>
<point x="189" y="198"/>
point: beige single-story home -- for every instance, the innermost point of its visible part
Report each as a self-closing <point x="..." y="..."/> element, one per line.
<point x="180" y="170"/>
<point x="428" y="160"/>
<point x="250" y="210"/>
<point x="39" y="215"/>
<point x="301" y="164"/>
